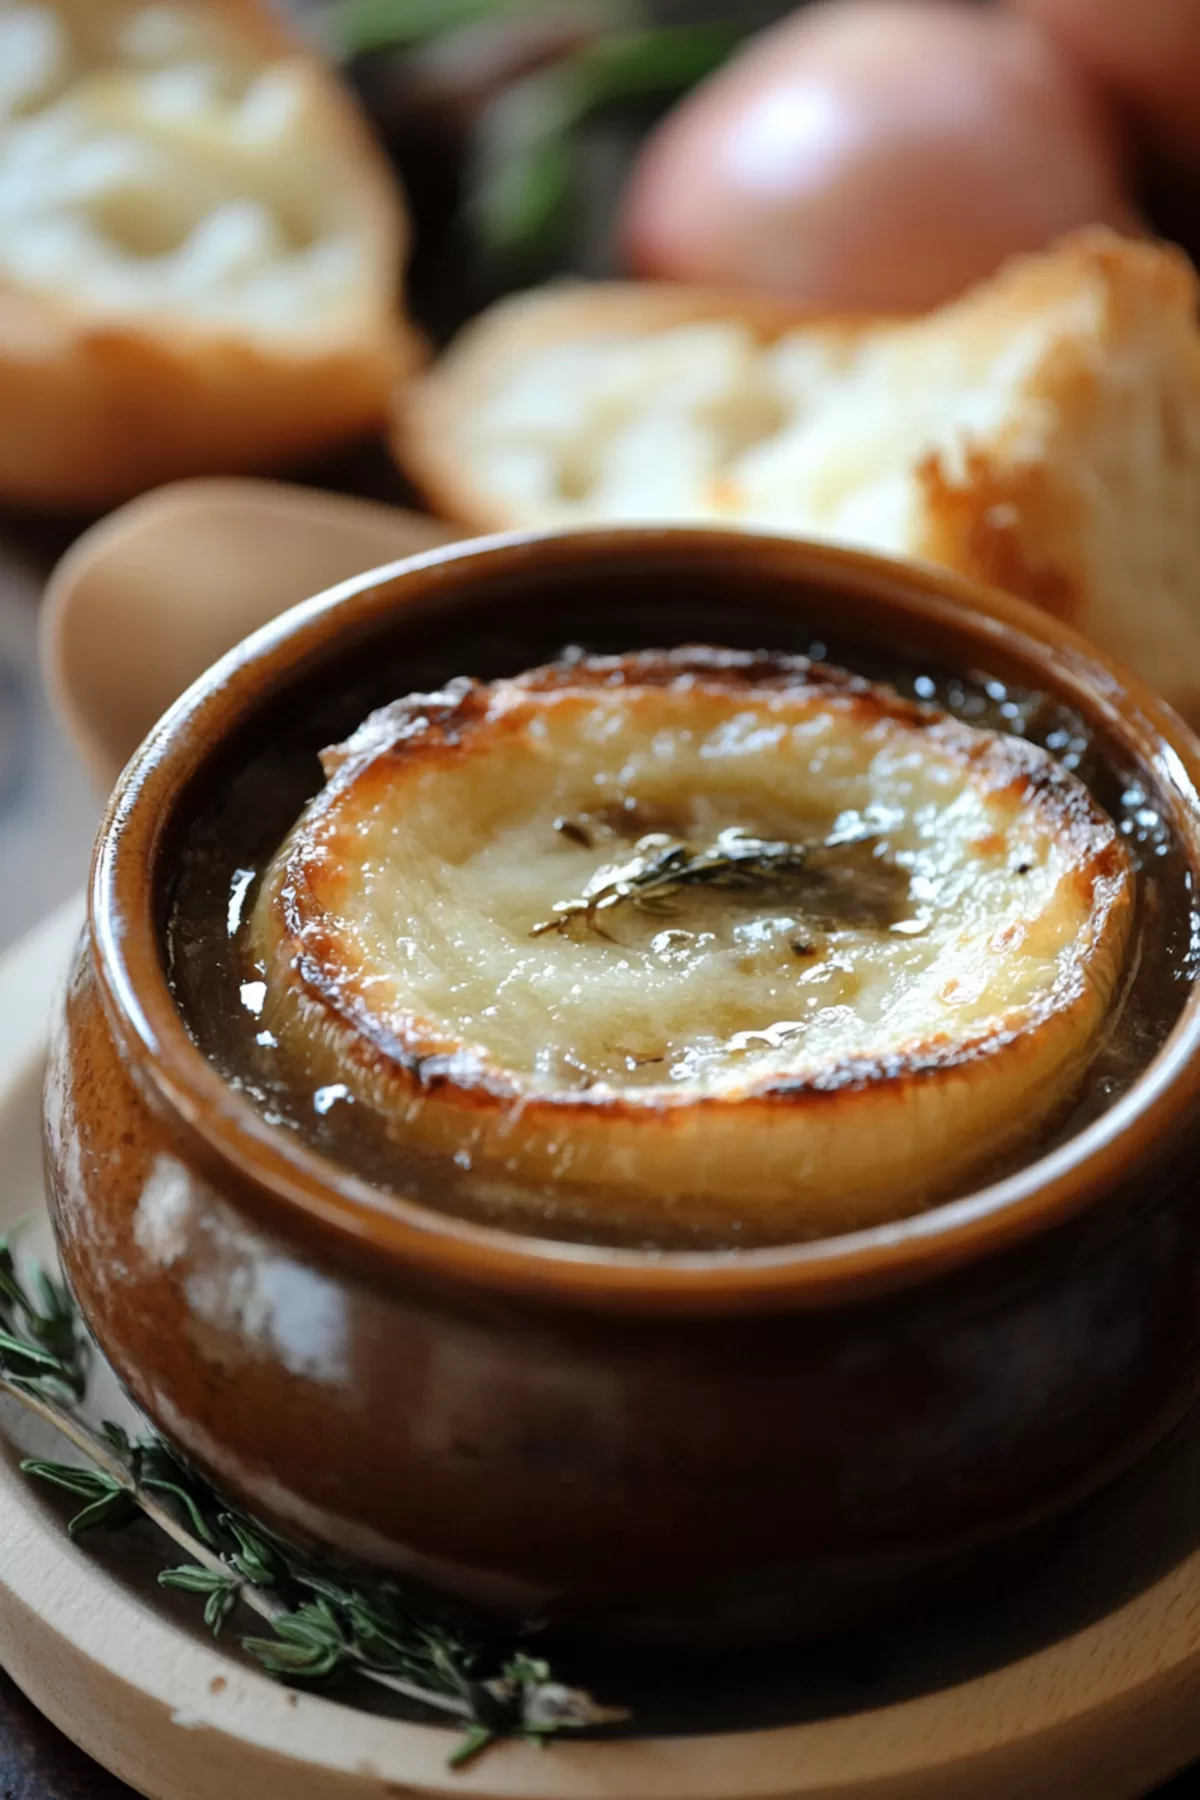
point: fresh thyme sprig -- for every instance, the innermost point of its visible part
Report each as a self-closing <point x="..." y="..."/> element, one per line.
<point x="661" y="866"/>
<point x="327" y="1620"/>
<point x="41" y="1343"/>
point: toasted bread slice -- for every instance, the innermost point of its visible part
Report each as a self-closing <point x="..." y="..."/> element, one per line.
<point x="201" y="249"/>
<point x="1041" y="434"/>
<point x="693" y="944"/>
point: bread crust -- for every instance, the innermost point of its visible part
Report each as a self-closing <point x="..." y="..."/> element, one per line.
<point x="99" y="406"/>
<point x="1048" y="502"/>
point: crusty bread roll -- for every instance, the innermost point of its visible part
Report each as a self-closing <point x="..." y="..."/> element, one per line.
<point x="1041" y="434"/>
<point x="200" y="249"/>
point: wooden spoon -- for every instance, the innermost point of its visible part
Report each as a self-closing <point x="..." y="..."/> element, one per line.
<point x="144" y="601"/>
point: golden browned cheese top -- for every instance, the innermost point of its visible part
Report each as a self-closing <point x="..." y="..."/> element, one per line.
<point x="625" y="922"/>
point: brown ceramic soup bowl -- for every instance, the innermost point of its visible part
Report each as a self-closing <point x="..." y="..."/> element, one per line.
<point x="707" y="1442"/>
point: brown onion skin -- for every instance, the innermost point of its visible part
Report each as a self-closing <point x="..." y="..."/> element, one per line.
<point x="864" y="156"/>
<point x="1147" y="53"/>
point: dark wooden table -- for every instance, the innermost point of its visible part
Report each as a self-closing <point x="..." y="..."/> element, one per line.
<point x="37" y="1762"/>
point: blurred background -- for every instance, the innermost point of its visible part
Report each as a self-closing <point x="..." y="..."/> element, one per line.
<point x="514" y="126"/>
<point x="509" y="176"/>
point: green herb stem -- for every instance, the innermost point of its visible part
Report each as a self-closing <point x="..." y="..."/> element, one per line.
<point x="661" y="866"/>
<point x="361" y="27"/>
<point x="524" y="160"/>
<point x="326" y="1619"/>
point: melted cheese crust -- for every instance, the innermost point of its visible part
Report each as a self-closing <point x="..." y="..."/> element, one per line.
<point x="841" y="1046"/>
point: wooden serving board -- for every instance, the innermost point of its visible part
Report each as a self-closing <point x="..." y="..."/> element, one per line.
<point x="1081" y="1682"/>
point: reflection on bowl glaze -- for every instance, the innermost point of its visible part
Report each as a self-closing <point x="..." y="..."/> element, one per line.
<point x="710" y="1444"/>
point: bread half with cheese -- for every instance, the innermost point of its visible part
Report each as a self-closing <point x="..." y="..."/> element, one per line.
<point x="201" y="249"/>
<point x="696" y="945"/>
<point x="1041" y="434"/>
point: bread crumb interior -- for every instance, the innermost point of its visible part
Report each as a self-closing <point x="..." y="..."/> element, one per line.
<point x="150" y="160"/>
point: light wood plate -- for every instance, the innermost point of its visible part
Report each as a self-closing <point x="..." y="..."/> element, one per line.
<point x="1105" y="1707"/>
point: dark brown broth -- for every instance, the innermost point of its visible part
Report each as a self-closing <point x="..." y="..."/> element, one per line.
<point x="236" y="833"/>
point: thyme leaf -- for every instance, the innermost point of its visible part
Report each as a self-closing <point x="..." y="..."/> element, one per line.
<point x="327" y="1619"/>
<point x="474" y="1740"/>
<point x="661" y="866"/>
<point x="41" y="1340"/>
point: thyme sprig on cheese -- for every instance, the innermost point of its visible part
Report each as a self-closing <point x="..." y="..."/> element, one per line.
<point x="662" y="866"/>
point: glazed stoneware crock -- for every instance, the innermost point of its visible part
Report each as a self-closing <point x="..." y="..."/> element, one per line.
<point x="714" y="1445"/>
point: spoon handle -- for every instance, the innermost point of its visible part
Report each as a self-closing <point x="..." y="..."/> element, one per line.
<point x="148" y="598"/>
